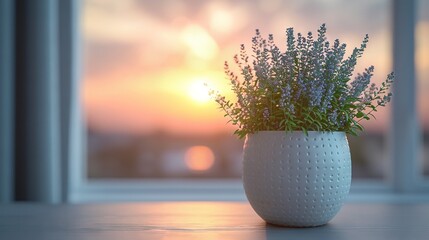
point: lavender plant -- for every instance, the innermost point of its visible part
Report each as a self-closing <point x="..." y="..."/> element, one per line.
<point x="308" y="87"/>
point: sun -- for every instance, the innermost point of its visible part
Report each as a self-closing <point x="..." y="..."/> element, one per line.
<point x="199" y="92"/>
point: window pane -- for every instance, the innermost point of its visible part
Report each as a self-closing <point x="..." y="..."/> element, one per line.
<point x="148" y="113"/>
<point x="422" y="67"/>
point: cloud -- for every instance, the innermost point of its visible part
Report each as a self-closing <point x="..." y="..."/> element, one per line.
<point x="103" y="57"/>
<point x="151" y="33"/>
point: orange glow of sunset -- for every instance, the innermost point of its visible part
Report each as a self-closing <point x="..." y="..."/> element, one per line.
<point x="146" y="62"/>
<point x="205" y="219"/>
<point x="199" y="158"/>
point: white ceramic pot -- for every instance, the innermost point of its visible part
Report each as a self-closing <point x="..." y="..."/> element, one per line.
<point x="296" y="180"/>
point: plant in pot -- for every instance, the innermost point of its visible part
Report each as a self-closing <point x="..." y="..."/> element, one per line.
<point x="294" y="108"/>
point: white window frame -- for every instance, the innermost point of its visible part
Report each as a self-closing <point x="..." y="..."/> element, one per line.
<point x="404" y="184"/>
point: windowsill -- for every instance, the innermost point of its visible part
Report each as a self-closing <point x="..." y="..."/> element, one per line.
<point x="217" y="190"/>
<point x="204" y="220"/>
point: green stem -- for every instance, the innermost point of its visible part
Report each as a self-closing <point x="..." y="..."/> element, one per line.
<point x="368" y="113"/>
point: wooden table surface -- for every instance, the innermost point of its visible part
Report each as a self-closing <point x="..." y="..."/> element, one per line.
<point x="203" y="220"/>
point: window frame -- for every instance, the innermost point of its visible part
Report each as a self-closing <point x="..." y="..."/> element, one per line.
<point x="405" y="182"/>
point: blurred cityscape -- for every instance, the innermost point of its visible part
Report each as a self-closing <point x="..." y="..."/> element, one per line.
<point x="163" y="155"/>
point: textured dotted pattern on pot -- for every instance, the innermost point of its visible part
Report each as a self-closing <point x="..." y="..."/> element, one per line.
<point x="296" y="180"/>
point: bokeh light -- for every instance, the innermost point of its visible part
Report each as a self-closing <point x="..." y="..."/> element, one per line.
<point x="199" y="158"/>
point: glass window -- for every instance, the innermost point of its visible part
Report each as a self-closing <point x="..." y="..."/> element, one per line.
<point x="422" y="74"/>
<point x="147" y="111"/>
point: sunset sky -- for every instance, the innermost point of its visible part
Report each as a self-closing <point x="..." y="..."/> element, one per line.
<point x="146" y="61"/>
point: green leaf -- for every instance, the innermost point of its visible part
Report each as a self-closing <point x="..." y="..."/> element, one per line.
<point x="304" y="130"/>
<point x="346" y="114"/>
<point x="360" y="127"/>
<point x="360" y="114"/>
<point x="352" y="132"/>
